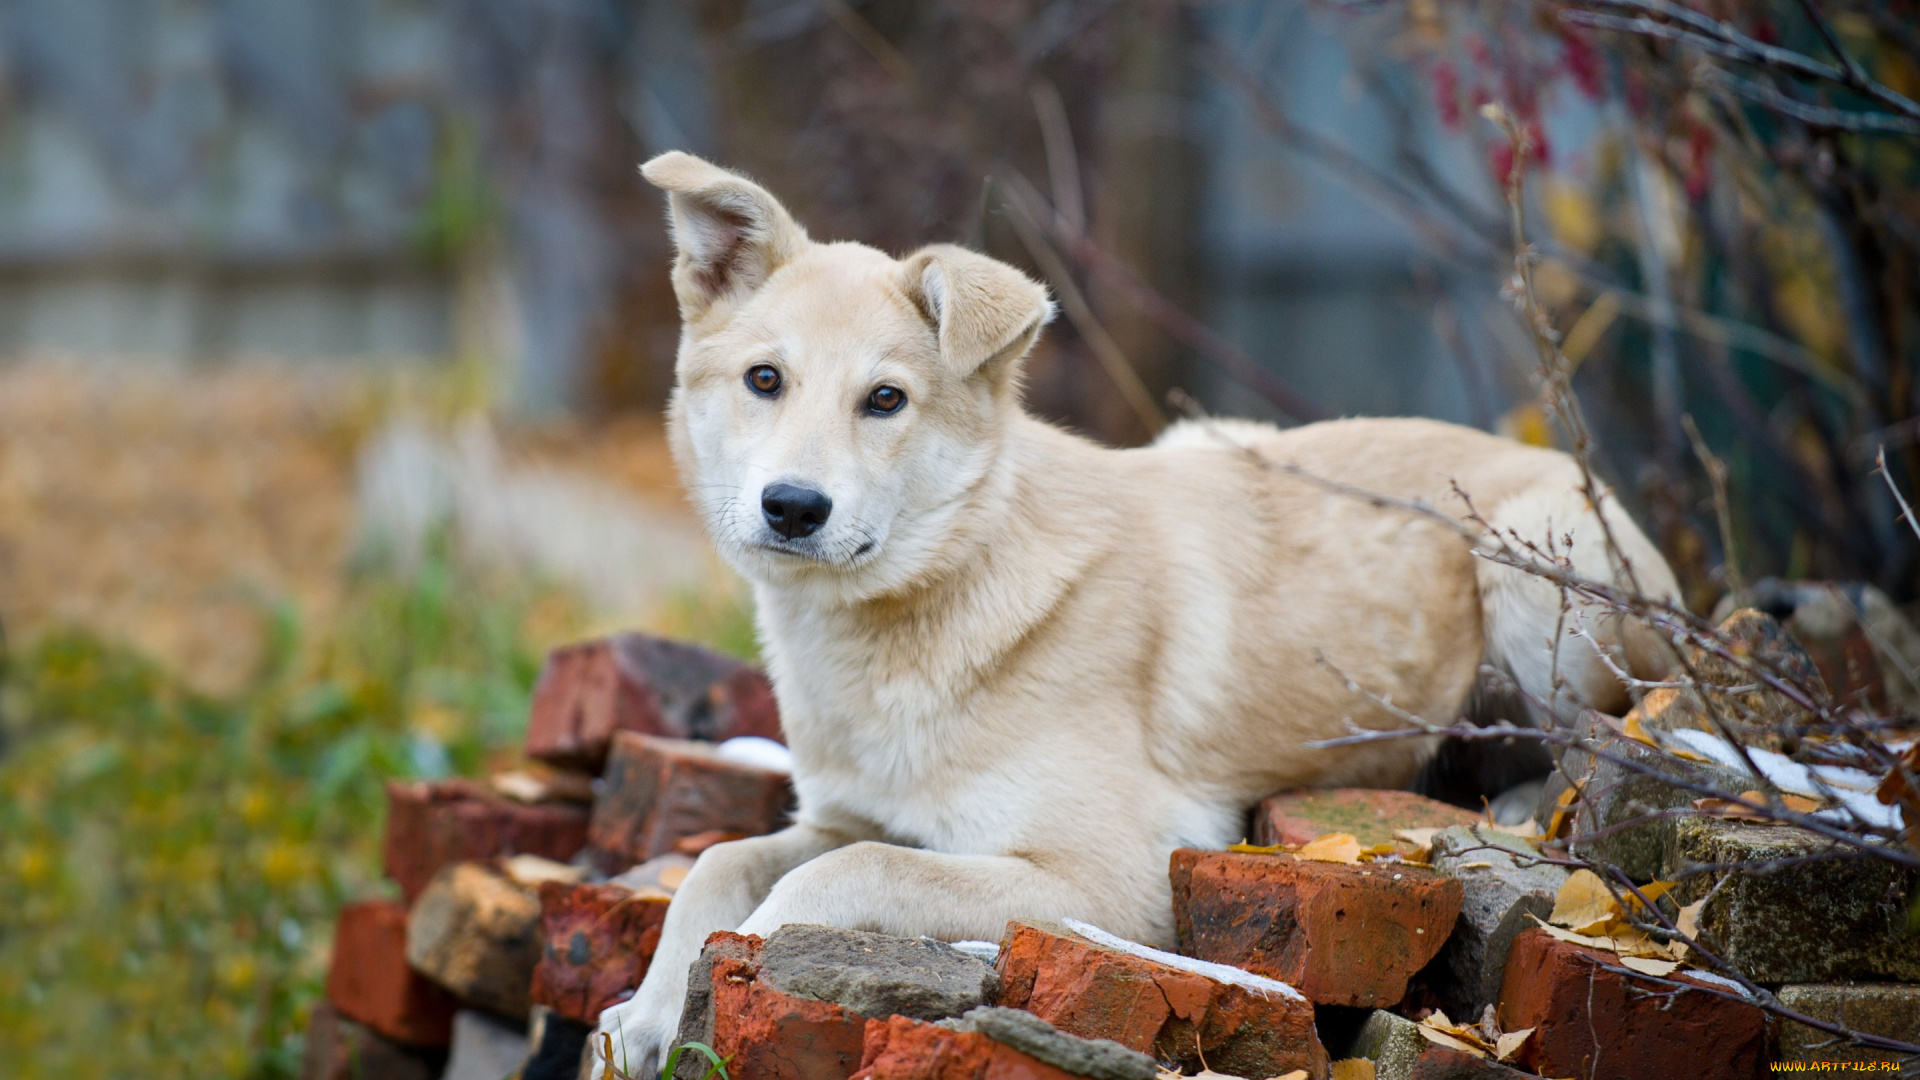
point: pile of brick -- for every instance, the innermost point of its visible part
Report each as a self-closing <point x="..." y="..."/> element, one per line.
<point x="1361" y="934"/>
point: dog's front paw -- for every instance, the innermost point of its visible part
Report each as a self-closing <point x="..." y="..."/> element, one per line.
<point x="639" y="1036"/>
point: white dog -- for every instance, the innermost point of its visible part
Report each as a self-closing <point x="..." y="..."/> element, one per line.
<point x="1017" y="669"/>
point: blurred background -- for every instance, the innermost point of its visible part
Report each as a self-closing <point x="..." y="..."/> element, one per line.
<point x="334" y="335"/>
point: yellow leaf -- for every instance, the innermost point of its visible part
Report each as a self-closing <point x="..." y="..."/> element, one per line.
<point x="1688" y="921"/>
<point x="1572" y="938"/>
<point x="1255" y="849"/>
<point x="1584" y="905"/>
<point x="1636" y="731"/>
<point x="1353" y="1069"/>
<point x="1509" y="1044"/>
<point x="1561" y="805"/>
<point x="1297" y="1074"/>
<point x="1647" y="966"/>
<point x="1334" y="848"/>
<point x="1800" y="804"/>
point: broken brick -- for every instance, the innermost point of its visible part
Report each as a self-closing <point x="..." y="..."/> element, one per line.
<point x="901" y="1048"/>
<point x="475" y="931"/>
<point x="368" y="979"/>
<point x="1167" y="1009"/>
<point x="340" y="1049"/>
<point x="1371" y="816"/>
<point x="1341" y="934"/>
<point x="649" y="685"/>
<point x="434" y="823"/>
<point x="658" y="792"/>
<point x="595" y="944"/>
<point x="1591" y="1017"/>
<point x="767" y="1033"/>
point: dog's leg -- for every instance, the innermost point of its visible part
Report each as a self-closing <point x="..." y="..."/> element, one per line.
<point x="725" y="886"/>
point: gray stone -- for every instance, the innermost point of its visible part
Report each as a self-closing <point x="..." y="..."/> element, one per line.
<point x="874" y="974"/>
<point x="485" y="1047"/>
<point x="1833" y="919"/>
<point x="1392" y="1042"/>
<point x="1102" y="1059"/>
<point x="1891" y="1010"/>
<point x="1501" y="886"/>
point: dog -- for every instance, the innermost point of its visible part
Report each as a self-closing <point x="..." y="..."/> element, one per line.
<point x="1017" y="669"/>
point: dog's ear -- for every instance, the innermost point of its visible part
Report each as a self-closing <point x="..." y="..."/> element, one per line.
<point x="984" y="313"/>
<point x="730" y="234"/>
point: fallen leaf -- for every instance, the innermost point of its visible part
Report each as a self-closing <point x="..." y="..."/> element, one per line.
<point x="1297" y="1074"/>
<point x="1420" y="839"/>
<point x="1572" y="938"/>
<point x="532" y="870"/>
<point x="1441" y="1038"/>
<point x="1647" y="966"/>
<point x="1509" y="1044"/>
<point x="1688" y="920"/>
<point x="1653" y="890"/>
<point x="1378" y="850"/>
<point x="1560" y="809"/>
<point x="1353" y="1069"/>
<point x="1636" y="731"/>
<point x="1438" y="1022"/>
<point x="672" y="876"/>
<point x="1584" y="904"/>
<point x="1255" y="849"/>
<point x="1526" y="830"/>
<point x="1800" y="804"/>
<point x="1474" y="866"/>
<point x="1334" y="848"/>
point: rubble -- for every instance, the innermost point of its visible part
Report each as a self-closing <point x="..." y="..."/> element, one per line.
<point x="646" y="685"/>
<point x="595" y="944"/>
<point x="1399" y="1051"/>
<point x="475" y="931"/>
<point x="1501" y="887"/>
<point x="434" y="823"/>
<point x="657" y="792"/>
<point x="1341" y="934"/>
<point x="986" y="1045"/>
<point x="368" y="979"/>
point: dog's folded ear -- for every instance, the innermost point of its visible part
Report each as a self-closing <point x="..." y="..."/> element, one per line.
<point x="731" y="235"/>
<point x="984" y="313"/>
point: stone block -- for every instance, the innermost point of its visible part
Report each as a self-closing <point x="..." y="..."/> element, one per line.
<point x="368" y="979"/>
<point x="1588" y="1020"/>
<point x="652" y="686"/>
<point x="1177" y="1009"/>
<point x="434" y="823"/>
<point x="1812" y="922"/>
<point x="476" y="932"/>
<point x="1500" y="888"/>
<point x="1340" y="934"/>
<point x="1891" y="1010"/>
<point x="340" y="1049"/>
<point x="1371" y="815"/>
<point x="595" y="944"/>
<point x="657" y="792"/>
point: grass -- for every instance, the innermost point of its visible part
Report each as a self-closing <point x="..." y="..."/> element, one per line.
<point x="171" y="862"/>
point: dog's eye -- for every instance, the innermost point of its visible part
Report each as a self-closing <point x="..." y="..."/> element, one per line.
<point x="886" y="399"/>
<point x="763" y="379"/>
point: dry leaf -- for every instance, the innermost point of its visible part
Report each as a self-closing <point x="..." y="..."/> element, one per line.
<point x="1255" y="849"/>
<point x="1334" y="848"/>
<point x="1451" y="1042"/>
<point x="1353" y="1069"/>
<point x="1526" y="830"/>
<point x="1584" y="905"/>
<point x="671" y="877"/>
<point x="1474" y="866"/>
<point x="1688" y="921"/>
<point x="1800" y="804"/>
<point x="1559" y="819"/>
<point x="1297" y="1074"/>
<point x="532" y="870"/>
<point x="1420" y="839"/>
<point x="1635" y="731"/>
<point x="1377" y="850"/>
<point x="1572" y="938"/>
<point x="1509" y="1044"/>
<point x="1647" y="966"/>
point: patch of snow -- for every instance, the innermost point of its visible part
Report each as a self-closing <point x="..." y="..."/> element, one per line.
<point x="1717" y="980"/>
<point x="979" y="950"/>
<point x="1233" y="976"/>
<point x="1852" y="788"/>
<point x="757" y="751"/>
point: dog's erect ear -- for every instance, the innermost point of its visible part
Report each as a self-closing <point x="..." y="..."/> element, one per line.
<point x="730" y="233"/>
<point x="984" y="313"/>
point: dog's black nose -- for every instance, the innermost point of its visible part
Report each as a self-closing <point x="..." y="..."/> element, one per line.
<point x="794" y="512"/>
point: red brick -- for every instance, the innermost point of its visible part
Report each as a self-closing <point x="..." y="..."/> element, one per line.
<point x="1176" y="1015"/>
<point x="369" y="980"/>
<point x="1340" y="934"/>
<point x="1590" y="1021"/>
<point x="769" y="1035"/>
<point x="595" y="944"/>
<point x="659" y="791"/>
<point x="339" y="1049"/>
<point x="900" y="1048"/>
<point x="1371" y="815"/>
<point x="431" y="824"/>
<point x="649" y="685"/>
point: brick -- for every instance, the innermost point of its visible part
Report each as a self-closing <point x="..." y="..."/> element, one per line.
<point x="769" y="1033"/>
<point x="1371" y="815"/>
<point x="1891" y="1010"/>
<point x="659" y="791"/>
<point x="1589" y="1021"/>
<point x="595" y="944"/>
<point x="901" y="1048"/>
<point x="475" y="931"/>
<point x="1167" y="1009"/>
<point x="1805" y="923"/>
<point x="1399" y="1052"/>
<point x="1340" y="934"/>
<point x="431" y="824"/>
<point x="368" y="979"/>
<point x="643" y="684"/>
<point x="339" y="1049"/>
<point x="1500" y="888"/>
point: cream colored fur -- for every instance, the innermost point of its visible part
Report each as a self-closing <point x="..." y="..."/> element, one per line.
<point x="1017" y="669"/>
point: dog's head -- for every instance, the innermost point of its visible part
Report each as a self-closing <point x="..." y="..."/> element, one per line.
<point x="834" y="407"/>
